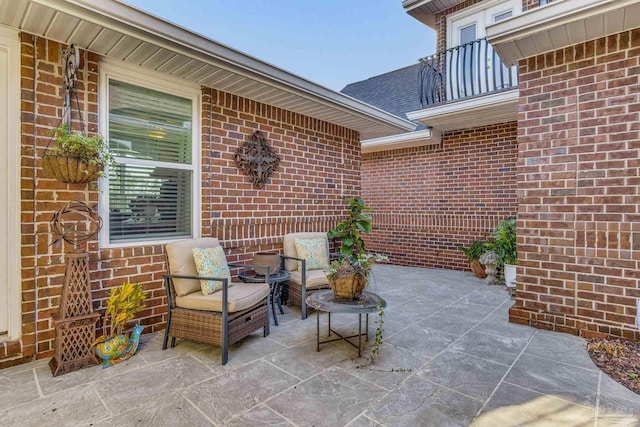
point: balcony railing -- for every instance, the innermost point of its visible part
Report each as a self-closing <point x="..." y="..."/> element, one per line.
<point x="463" y="71"/>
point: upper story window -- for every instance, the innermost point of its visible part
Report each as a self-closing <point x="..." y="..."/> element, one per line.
<point x="152" y="193"/>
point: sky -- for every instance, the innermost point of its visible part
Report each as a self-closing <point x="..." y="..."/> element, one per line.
<point x="330" y="42"/>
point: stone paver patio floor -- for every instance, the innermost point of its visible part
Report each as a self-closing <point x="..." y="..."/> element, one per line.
<point x="449" y="358"/>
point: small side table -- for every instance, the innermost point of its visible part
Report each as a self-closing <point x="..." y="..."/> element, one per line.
<point x="325" y="301"/>
<point x="275" y="283"/>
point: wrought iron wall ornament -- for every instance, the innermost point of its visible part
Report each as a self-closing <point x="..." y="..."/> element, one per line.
<point x="256" y="159"/>
<point x="70" y="64"/>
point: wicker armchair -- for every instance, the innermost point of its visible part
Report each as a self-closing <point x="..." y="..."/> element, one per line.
<point x="222" y="318"/>
<point x="302" y="283"/>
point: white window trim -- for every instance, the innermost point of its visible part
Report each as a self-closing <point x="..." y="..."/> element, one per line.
<point x="162" y="83"/>
<point x="9" y="41"/>
<point x="476" y="9"/>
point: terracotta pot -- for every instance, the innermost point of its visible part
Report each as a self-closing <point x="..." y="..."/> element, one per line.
<point x="348" y="287"/>
<point x="267" y="259"/>
<point x="477" y="269"/>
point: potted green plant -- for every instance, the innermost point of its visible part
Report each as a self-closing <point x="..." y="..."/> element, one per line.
<point x="349" y="275"/>
<point x="473" y="252"/>
<point x="114" y="346"/>
<point x="76" y="158"/>
<point x="505" y="243"/>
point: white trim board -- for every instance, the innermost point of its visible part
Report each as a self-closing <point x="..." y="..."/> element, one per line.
<point x="561" y="24"/>
<point x="481" y="110"/>
<point x="403" y="140"/>
<point x="10" y="251"/>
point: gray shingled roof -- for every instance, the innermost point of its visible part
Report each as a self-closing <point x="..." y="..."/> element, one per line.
<point x="395" y="92"/>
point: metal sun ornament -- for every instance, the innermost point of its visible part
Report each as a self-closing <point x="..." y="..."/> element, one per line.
<point x="256" y="159"/>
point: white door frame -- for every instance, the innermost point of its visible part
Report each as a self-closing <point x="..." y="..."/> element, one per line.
<point x="10" y="143"/>
<point x="482" y="15"/>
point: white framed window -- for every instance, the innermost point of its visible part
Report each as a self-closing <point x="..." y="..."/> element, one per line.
<point x="152" y="123"/>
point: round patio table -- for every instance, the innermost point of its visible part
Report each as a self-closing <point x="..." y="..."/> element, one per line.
<point x="326" y="301"/>
<point x="275" y="283"/>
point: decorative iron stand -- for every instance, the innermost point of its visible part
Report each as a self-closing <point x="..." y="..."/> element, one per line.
<point x="75" y="322"/>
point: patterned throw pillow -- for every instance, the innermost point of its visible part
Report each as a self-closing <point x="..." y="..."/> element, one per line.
<point x="211" y="262"/>
<point x="314" y="251"/>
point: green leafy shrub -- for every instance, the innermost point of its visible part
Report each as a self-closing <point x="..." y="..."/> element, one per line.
<point x="505" y="241"/>
<point x="475" y="249"/>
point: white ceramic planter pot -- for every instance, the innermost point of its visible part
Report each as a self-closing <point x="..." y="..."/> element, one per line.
<point x="510" y="275"/>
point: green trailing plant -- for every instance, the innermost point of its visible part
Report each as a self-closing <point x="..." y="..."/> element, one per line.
<point x="505" y="241"/>
<point x="94" y="149"/>
<point x="375" y="349"/>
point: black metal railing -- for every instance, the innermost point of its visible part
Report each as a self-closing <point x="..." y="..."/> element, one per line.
<point x="470" y="69"/>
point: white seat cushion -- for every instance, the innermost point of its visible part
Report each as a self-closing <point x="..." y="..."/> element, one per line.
<point x="241" y="297"/>
<point x="315" y="278"/>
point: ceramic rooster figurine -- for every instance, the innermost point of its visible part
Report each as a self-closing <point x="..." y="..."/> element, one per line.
<point x="119" y="348"/>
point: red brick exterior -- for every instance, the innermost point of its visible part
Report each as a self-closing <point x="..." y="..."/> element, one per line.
<point x="578" y="181"/>
<point x="428" y="201"/>
<point x="320" y="163"/>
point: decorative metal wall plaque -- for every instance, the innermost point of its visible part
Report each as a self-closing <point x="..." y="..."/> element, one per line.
<point x="256" y="159"/>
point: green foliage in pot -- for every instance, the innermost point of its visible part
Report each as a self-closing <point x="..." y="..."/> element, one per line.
<point x="505" y="242"/>
<point x="349" y="232"/>
<point x="94" y="149"/>
<point x="475" y="249"/>
<point x="353" y="258"/>
<point x="361" y="266"/>
<point x="123" y="304"/>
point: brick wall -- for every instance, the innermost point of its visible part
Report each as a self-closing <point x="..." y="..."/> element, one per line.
<point x="320" y="164"/>
<point x="428" y="201"/>
<point x="578" y="181"/>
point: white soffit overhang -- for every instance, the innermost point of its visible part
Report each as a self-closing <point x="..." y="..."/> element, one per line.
<point x="116" y="30"/>
<point x="425" y="10"/>
<point x="560" y="24"/>
<point x="404" y="140"/>
<point x="482" y="110"/>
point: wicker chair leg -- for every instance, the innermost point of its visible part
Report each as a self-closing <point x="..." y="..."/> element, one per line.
<point x="173" y="342"/>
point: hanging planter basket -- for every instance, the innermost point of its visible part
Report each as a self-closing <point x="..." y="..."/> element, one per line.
<point x="71" y="170"/>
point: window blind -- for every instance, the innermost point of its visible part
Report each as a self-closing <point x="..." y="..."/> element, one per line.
<point x="148" y="202"/>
